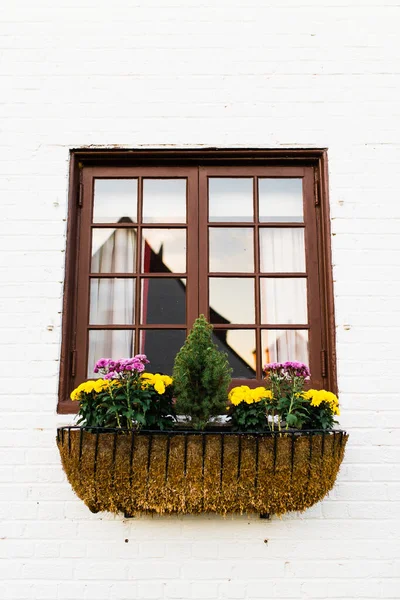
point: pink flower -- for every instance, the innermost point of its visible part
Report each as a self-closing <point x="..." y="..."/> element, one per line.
<point x="142" y="358"/>
<point x="111" y="375"/>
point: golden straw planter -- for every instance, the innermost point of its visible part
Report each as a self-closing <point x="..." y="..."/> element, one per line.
<point x="185" y="472"/>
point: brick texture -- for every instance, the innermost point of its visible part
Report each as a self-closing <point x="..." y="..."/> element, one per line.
<point x="200" y="73"/>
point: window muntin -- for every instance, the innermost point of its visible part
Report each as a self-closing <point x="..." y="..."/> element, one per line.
<point x="280" y="199"/>
<point x="115" y="199"/>
<point x="230" y="199"/>
<point x="258" y="272"/>
<point x="164" y="201"/>
<point x="169" y="248"/>
<point x="184" y="240"/>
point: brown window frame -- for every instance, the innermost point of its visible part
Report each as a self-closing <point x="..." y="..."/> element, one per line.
<point x="196" y="166"/>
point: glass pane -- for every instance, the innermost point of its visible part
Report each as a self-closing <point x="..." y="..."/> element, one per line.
<point x="163" y="250"/>
<point x="231" y="249"/>
<point x="240" y="345"/>
<point x="283" y="300"/>
<point x="161" y="347"/>
<point x="114" y="250"/>
<point x="163" y="301"/>
<point x="112" y="301"/>
<point x="280" y="199"/>
<point x="232" y="300"/>
<point x="282" y="250"/>
<point x="110" y="343"/>
<point x="115" y="200"/>
<point x="283" y="345"/>
<point x="230" y="199"/>
<point x="164" y="201"/>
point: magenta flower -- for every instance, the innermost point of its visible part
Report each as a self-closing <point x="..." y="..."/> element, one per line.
<point x="288" y="369"/>
<point x="101" y="364"/>
<point x="111" y="375"/>
<point x="123" y="368"/>
<point x="143" y="358"/>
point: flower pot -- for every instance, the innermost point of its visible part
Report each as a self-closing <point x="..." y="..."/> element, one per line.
<point x="195" y="472"/>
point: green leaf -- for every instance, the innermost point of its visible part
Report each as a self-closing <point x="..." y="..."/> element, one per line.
<point x="291" y="420"/>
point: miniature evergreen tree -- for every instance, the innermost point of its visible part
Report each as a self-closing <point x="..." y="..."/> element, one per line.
<point x="201" y="376"/>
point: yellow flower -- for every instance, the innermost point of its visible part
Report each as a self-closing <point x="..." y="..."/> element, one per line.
<point x="248" y="397"/>
<point x="100" y="385"/>
<point x="237" y="394"/>
<point x="235" y="399"/>
<point x="159" y="385"/>
<point x="159" y="382"/>
<point x="74" y="394"/>
<point x="87" y="387"/>
<point x="259" y="393"/>
<point x="313" y="396"/>
<point x="243" y="393"/>
<point x="316" y="397"/>
<point x="147" y="376"/>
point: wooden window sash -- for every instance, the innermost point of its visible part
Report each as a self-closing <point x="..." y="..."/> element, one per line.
<point x="318" y="267"/>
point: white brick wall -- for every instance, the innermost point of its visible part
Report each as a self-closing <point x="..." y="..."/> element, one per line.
<point x="190" y="73"/>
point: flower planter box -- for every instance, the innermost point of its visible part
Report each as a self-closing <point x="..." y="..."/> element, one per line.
<point x="195" y="472"/>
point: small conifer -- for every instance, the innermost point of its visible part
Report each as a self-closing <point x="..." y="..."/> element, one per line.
<point x="201" y="376"/>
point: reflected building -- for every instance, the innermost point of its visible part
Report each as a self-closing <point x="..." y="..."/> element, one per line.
<point x="162" y="300"/>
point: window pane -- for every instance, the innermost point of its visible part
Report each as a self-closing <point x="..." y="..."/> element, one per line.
<point x="232" y="300"/>
<point x="164" y="200"/>
<point x="283" y="300"/>
<point x="115" y="200"/>
<point x="282" y="250"/>
<point x="240" y="345"/>
<point x="231" y="249"/>
<point x="161" y="347"/>
<point x="230" y="199"/>
<point x="163" y="301"/>
<point x="280" y="199"/>
<point x="114" y="250"/>
<point x="163" y="250"/>
<point x="283" y="345"/>
<point x="112" y="301"/>
<point x="110" y="343"/>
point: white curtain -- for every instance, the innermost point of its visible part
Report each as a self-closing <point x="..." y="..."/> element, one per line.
<point x="283" y="300"/>
<point x="112" y="300"/>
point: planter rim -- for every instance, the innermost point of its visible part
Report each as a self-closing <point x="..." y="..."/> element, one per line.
<point x="117" y="430"/>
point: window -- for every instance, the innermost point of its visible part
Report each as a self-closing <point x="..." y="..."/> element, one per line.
<point x="155" y="239"/>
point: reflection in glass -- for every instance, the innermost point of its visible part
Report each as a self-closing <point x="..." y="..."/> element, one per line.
<point x="240" y="345"/>
<point x="280" y="199"/>
<point x="163" y="250"/>
<point x="114" y="250"/>
<point x="163" y="301"/>
<point x="112" y="301"/>
<point x="110" y="343"/>
<point x="164" y="201"/>
<point x="284" y="345"/>
<point x="232" y="300"/>
<point x="115" y="200"/>
<point x="230" y="199"/>
<point x="282" y="250"/>
<point x="283" y="300"/>
<point x="161" y="346"/>
<point x="231" y="249"/>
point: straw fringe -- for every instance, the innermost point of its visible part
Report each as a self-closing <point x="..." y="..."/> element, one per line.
<point x="223" y="474"/>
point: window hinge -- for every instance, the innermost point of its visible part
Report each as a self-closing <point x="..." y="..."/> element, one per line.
<point x="73" y="363"/>
<point x="316" y="187"/>
<point x="80" y="193"/>
<point x="323" y="363"/>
